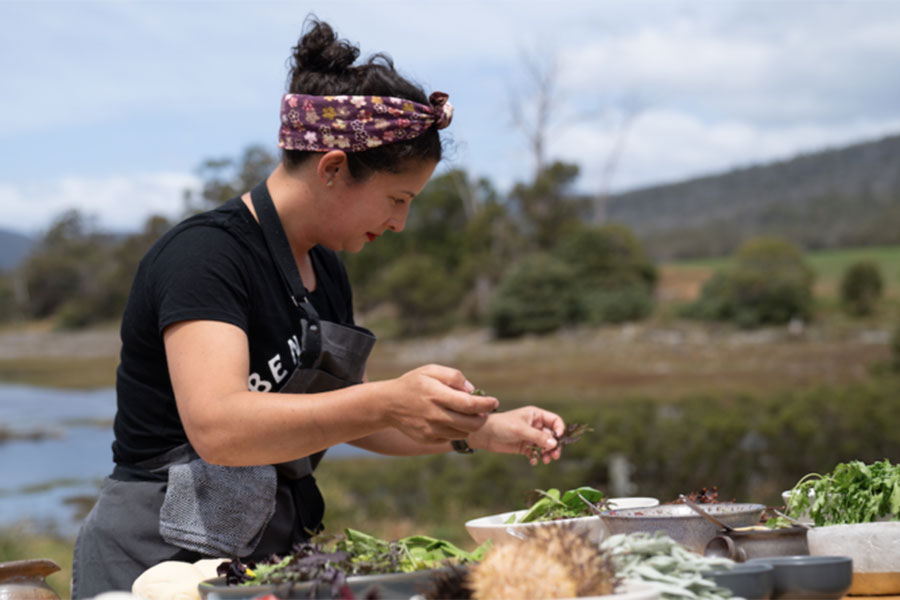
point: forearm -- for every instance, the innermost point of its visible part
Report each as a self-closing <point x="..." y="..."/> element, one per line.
<point x="254" y="428"/>
<point x="394" y="443"/>
<point x="228" y="425"/>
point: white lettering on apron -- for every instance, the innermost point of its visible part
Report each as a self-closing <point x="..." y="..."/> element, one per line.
<point x="275" y="367"/>
<point x="255" y="383"/>
<point x="294" y="345"/>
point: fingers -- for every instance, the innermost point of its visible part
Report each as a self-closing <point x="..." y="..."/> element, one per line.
<point x="546" y="419"/>
<point x="435" y="404"/>
<point x="460" y="398"/>
<point x="467" y="404"/>
<point x="448" y="376"/>
<point x="540" y="442"/>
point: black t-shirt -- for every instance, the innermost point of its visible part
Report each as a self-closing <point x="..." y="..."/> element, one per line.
<point x="213" y="266"/>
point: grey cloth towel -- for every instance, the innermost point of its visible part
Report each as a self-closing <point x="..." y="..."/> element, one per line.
<point x="215" y="510"/>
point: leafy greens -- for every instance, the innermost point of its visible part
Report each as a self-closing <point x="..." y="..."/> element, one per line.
<point x="553" y="505"/>
<point x="854" y="492"/>
<point x="329" y="561"/>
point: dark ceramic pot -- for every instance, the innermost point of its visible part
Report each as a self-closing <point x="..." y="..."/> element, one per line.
<point x="743" y="544"/>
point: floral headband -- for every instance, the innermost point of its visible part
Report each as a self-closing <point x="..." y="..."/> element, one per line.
<point x="356" y="123"/>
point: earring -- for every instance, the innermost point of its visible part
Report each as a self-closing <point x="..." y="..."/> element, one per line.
<point x="330" y="183"/>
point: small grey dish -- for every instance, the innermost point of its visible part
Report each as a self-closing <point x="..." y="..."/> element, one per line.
<point x="814" y="577"/>
<point x="753" y="582"/>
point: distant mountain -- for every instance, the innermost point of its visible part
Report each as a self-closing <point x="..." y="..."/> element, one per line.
<point x="835" y="198"/>
<point x="13" y="248"/>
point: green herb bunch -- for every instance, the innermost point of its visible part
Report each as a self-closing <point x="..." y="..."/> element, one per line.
<point x="854" y="492"/>
<point x="552" y="505"/>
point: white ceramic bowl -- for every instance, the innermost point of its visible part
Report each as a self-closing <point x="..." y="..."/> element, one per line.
<point x="874" y="548"/>
<point x="495" y="527"/>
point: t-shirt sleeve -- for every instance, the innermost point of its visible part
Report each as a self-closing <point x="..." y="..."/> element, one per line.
<point x="199" y="274"/>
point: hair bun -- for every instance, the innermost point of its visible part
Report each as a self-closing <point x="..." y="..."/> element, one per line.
<point x="320" y="51"/>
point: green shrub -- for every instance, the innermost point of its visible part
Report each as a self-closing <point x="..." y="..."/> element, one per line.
<point x="716" y="301"/>
<point x="613" y="275"/>
<point x="617" y="305"/>
<point x="424" y="292"/>
<point x="538" y="295"/>
<point x="861" y="288"/>
<point x="770" y="284"/>
<point x="607" y="256"/>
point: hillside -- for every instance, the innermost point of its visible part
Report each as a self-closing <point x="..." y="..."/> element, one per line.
<point x="13" y="248"/>
<point x="830" y="199"/>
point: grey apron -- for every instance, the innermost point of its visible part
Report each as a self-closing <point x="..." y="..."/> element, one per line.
<point x="179" y="507"/>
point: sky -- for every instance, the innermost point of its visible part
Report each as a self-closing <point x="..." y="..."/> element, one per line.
<point x="111" y="107"/>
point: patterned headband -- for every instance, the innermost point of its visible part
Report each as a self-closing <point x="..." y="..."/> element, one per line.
<point x="356" y="123"/>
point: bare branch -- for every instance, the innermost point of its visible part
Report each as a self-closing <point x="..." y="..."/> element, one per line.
<point x="632" y="109"/>
<point x="532" y="110"/>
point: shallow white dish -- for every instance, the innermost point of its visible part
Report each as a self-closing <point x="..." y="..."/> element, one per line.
<point x="629" y="590"/>
<point x="495" y="527"/>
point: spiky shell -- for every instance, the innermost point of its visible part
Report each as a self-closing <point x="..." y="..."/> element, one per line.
<point x="553" y="561"/>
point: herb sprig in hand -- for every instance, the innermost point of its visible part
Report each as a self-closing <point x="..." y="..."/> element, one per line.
<point x="572" y="434"/>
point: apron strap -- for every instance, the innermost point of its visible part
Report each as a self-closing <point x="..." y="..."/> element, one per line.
<point x="280" y="249"/>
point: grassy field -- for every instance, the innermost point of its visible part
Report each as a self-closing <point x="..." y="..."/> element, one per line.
<point x="829" y="265"/>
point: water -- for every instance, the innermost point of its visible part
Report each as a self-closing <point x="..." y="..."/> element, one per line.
<point x="43" y="479"/>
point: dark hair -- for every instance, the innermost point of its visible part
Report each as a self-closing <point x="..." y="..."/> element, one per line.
<point x="322" y="65"/>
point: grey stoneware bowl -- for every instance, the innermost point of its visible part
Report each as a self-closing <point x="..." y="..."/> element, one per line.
<point x="750" y="581"/>
<point x="813" y="577"/>
<point x="681" y="523"/>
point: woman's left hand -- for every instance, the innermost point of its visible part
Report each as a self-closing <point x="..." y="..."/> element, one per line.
<point x="521" y="431"/>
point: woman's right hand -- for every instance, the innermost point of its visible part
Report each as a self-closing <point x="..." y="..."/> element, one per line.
<point x="434" y="404"/>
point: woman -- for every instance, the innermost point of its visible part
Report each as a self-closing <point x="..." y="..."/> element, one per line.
<point x="251" y="298"/>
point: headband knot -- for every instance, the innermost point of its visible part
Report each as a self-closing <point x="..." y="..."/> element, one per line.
<point x="357" y="123"/>
<point x="443" y="110"/>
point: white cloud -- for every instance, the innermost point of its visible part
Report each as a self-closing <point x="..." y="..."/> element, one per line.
<point x="118" y="203"/>
<point x="772" y="70"/>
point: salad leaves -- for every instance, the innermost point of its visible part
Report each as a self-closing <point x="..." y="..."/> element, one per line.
<point x="854" y="492"/>
<point x="553" y="505"/>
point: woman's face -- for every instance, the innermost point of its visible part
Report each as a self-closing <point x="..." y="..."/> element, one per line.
<point x="363" y="211"/>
